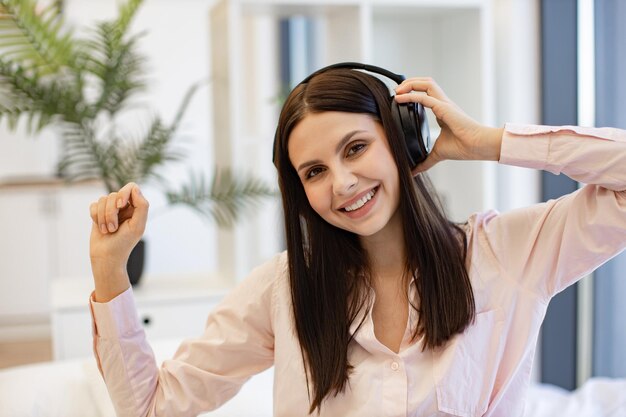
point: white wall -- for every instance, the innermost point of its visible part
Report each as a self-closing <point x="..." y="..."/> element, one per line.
<point x="518" y="94"/>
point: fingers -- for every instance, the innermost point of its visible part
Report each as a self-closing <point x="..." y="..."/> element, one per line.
<point x="104" y="213"/>
<point x="111" y="210"/>
<point x="123" y="195"/>
<point x="93" y="212"/>
<point x="440" y="109"/>
<point x="423" y="99"/>
<point x="140" y="212"/>
<point x="422" y="84"/>
<point x="102" y="224"/>
<point x="426" y="165"/>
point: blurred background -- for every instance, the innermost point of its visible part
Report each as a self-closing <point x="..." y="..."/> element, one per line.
<point x="521" y="61"/>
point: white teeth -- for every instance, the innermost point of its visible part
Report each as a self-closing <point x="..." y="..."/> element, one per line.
<point x="361" y="202"/>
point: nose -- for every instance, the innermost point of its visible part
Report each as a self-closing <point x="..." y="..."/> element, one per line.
<point x="344" y="182"/>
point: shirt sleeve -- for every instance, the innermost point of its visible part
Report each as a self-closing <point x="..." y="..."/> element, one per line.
<point x="547" y="247"/>
<point x="237" y="342"/>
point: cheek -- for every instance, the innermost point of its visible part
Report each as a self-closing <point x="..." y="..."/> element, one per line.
<point x="317" y="199"/>
<point x="390" y="171"/>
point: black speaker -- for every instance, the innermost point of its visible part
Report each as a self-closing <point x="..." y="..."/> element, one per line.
<point x="410" y="118"/>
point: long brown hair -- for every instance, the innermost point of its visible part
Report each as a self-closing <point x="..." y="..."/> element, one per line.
<point x="328" y="267"/>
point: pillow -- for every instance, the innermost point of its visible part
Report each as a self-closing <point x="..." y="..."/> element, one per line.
<point x="49" y="389"/>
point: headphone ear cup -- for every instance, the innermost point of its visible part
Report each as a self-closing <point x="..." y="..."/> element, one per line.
<point x="410" y="119"/>
<point x="422" y="128"/>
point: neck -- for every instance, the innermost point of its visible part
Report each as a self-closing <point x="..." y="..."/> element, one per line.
<point x="386" y="252"/>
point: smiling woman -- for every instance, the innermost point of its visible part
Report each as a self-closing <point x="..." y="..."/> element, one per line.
<point x="380" y="305"/>
<point x="383" y="244"/>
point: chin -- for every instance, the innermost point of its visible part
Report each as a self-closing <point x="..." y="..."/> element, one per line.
<point x="364" y="231"/>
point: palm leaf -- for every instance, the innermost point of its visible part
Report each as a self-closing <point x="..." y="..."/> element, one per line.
<point x="125" y="15"/>
<point x="42" y="100"/>
<point x="156" y="149"/>
<point x="117" y="160"/>
<point x="182" y="107"/>
<point x="117" y="67"/>
<point x="84" y="157"/>
<point x="36" y="40"/>
<point x="18" y="95"/>
<point x="141" y="157"/>
<point x="224" y="199"/>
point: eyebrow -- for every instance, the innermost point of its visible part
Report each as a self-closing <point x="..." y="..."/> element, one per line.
<point x="338" y="148"/>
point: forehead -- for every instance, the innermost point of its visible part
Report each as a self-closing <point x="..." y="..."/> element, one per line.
<point x="317" y="132"/>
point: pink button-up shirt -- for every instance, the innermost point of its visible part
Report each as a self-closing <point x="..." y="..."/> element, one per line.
<point x="517" y="262"/>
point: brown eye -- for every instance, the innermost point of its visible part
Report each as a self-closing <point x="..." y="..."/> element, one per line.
<point x="355" y="149"/>
<point x="313" y="172"/>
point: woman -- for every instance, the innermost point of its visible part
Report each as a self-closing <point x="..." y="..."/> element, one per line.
<point x="380" y="305"/>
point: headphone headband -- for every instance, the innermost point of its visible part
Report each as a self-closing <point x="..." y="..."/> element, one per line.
<point x="397" y="78"/>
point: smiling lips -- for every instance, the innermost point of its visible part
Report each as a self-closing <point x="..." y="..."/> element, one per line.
<point x="355" y="209"/>
<point x="361" y="201"/>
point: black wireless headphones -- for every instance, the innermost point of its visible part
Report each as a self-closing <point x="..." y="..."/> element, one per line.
<point x="410" y="118"/>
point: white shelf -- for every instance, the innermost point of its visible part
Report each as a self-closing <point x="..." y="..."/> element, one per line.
<point x="70" y="293"/>
<point x="168" y="306"/>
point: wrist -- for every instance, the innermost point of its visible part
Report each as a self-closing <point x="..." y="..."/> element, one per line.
<point x="110" y="280"/>
<point x="493" y="144"/>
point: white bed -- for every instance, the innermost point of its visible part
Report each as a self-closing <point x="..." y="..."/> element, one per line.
<point x="74" y="388"/>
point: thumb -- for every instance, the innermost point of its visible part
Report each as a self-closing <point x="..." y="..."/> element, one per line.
<point x="428" y="163"/>
<point x="140" y="210"/>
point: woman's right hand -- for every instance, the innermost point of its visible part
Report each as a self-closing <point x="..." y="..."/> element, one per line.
<point x="119" y="220"/>
<point x="461" y="137"/>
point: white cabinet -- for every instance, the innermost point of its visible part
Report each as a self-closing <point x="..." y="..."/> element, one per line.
<point x="169" y="307"/>
<point x="46" y="228"/>
<point x="25" y="246"/>
<point x="450" y="40"/>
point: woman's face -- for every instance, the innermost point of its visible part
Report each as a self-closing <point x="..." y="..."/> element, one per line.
<point x="349" y="175"/>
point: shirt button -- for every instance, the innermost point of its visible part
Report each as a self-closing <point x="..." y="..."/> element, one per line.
<point x="394" y="366"/>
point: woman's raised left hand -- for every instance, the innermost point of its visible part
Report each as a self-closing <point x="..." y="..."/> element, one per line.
<point x="461" y="137"/>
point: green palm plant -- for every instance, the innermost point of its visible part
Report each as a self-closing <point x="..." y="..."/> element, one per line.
<point x="50" y="78"/>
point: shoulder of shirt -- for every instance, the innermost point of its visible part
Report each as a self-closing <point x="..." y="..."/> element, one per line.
<point x="272" y="270"/>
<point x="478" y="221"/>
